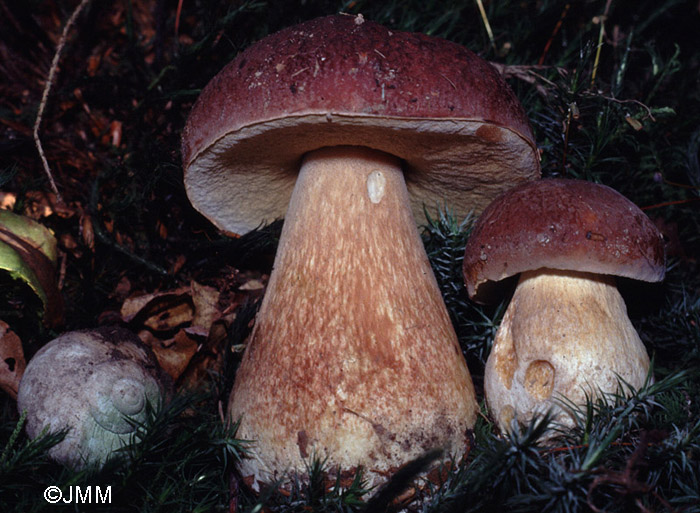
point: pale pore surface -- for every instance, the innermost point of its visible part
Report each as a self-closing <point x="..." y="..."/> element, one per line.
<point x="564" y="334"/>
<point x="353" y="357"/>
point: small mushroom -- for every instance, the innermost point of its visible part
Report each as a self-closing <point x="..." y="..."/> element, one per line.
<point x="565" y="333"/>
<point x="352" y="130"/>
<point x="95" y="384"/>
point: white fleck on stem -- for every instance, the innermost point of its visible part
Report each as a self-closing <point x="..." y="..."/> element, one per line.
<point x="376" y="186"/>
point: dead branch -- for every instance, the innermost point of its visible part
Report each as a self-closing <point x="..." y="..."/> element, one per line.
<point x="47" y="90"/>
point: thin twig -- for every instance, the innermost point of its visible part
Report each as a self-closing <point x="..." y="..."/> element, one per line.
<point x="669" y="203"/>
<point x="636" y="102"/>
<point x="602" y="19"/>
<point x="178" y="12"/>
<point x="487" y="25"/>
<point x="557" y="27"/>
<point x="45" y="95"/>
<point x="528" y="73"/>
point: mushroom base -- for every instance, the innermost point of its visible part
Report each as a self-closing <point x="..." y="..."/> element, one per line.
<point x="564" y="337"/>
<point x="353" y="359"/>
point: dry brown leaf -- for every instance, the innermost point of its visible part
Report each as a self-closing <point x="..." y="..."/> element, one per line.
<point x="206" y="300"/>
<point x="87" y="232"/>
<point x="123" y="288"/>
<point x="43" y="204"/>
<point x="8" y="200"/>
<point x="634" y="123"/>
<point x="134" y="304"/>
<point x="179" y="262"/>
<point x="170" y="312"/>
<point x="192" y="311"/>
<point x="68" y="242"/>
<point x="159" y="311"/>
<point x="163" y="311"/>
<point x="209" y="358"/>
<point x="115" y="130"/>
<point x="253" y="284"/>
<point x="174" y="354"/>
<point x="94" y="62"/>
<point x="12" y="362"/>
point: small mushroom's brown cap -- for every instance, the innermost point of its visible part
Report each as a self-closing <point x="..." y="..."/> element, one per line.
<point x="343" y="80"/>
<point x="562" y="224"/>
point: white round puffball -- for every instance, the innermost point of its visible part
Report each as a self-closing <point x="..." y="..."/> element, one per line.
<point x="95" y="384"/>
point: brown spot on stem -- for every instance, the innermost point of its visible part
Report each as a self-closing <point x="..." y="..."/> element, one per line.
<point x="539" y="379"/>
<point x="303" y="442"/>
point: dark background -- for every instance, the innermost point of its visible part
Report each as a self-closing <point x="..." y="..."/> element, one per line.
<point x="625" y="113"/>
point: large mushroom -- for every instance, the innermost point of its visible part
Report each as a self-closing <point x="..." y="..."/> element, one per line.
<point x="565" y="335"/>
<point x="352" y="130"/>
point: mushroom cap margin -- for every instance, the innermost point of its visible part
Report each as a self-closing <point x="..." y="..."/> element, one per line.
<point x="562" y="224"/>
<point x="343" y="80"/>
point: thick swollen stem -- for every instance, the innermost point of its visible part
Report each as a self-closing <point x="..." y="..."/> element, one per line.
<point x="564" y="335"/>
<point x="353" y="358"/>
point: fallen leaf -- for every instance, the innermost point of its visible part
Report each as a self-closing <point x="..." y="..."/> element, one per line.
<point x="209" y="359"/>
<point x="159" y="311"/>
<point x="8" y="200"/>
<point x="39" y="204"/>
<point x="12" y="362"/>
<point x="122" y="289"/>
<point x="206" y="301"/>
<point x="28" y="252"/>
<point x="31" y="233"/>
<point x="87" y="232"/>
<point x="634" y="123"/>
<point x="173" y="354"/>
<point x="188" y="312"/>
<point x="253" y="284"/>
<point x="93" y="64"/>
<point x="179" y="262"/>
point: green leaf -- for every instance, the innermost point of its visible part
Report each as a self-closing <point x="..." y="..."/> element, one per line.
<point x="33" y="233"/>
<point x="28" y="252"/>
<point x="11" y="262"/>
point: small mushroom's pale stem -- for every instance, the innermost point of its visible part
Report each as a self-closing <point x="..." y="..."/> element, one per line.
<point x="353" y="357"/>
<point x="564" y="334"/>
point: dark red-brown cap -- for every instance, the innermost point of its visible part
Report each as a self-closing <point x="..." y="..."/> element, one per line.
<point x="344" y="80"/>
<point x="562" y="224"/>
